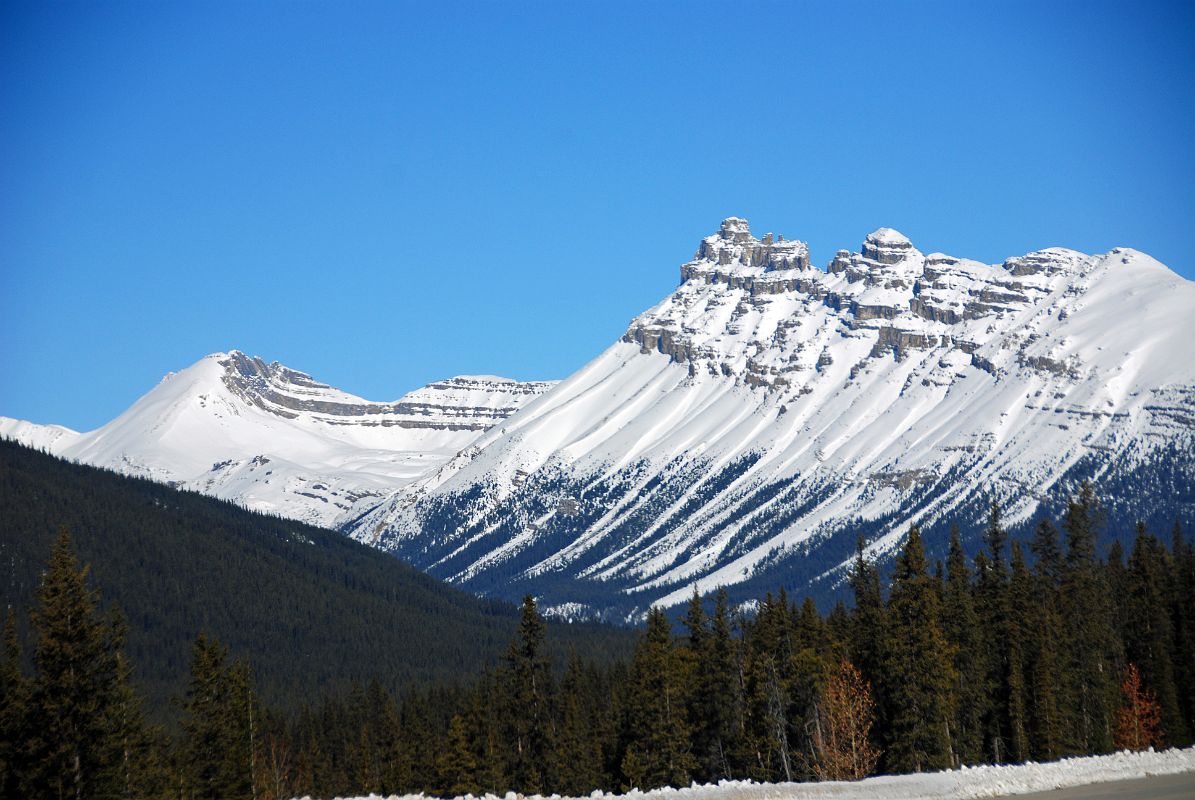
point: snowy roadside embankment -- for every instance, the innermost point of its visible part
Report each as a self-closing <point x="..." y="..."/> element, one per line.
<point x="963" y="784"/>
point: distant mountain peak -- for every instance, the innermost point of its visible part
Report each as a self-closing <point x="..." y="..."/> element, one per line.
<point x="276" y="439"/>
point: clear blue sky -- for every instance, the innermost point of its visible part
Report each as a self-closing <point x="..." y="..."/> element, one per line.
<point x="387" y="194"/>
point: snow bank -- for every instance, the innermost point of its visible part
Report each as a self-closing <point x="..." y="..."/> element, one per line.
<point x="964" y="784"/>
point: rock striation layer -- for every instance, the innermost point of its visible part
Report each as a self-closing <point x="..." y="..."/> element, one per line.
<point x="275" y="439"/>
<point x="748" y="428"/>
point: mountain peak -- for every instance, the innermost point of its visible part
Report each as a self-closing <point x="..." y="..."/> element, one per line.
<point x="733" y="246"/>
<point x="887" y="246"/>
<point x="735" y="229"/>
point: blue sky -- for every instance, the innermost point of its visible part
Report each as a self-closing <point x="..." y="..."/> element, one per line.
<point x="387" y="194"/>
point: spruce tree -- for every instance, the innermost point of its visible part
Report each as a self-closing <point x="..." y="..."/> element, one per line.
<point x="992" y="608"/>
<point x="73" y="688"/>
<point x="658" y="749"/>
<point x="1149" y="639"/>
<point x="1020" y="602"/>
<point x="14" y="705"/>
<point x="1048" y="733"/>
<point x="455" y="764"/>
<point x="960" y="624"/>
<point x="868" y="632"/>
<point x="918" y="666"/>
<point x="769" y="717"/>
<point x="1089" y="637"/>
<point x="1182" y="614"/>
<point x="218" y="725"/>
<point x="132" y="747"/>
<point x="722" y="689"/>
<point x="578" y="754"/>
<point x="528" y="703"/>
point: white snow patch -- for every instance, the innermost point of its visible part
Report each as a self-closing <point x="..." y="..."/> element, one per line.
<point x="963" y="784"/>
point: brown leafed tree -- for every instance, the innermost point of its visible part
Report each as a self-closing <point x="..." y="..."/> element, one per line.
<point x="1139" y="720"/>
<point x="843" y="735"/>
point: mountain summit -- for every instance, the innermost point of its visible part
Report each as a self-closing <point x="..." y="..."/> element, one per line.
<point x="747" y="429"/>
<point x="277" y="440"/>
<point x="745" y="432"/>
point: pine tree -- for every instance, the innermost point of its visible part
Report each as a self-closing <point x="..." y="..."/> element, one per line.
<point x="218" y="725"/>
<point x="722" y="690"/>
<point x="868" y="632"/>
<point x="1045" y="630"/>
<point x="698" y="656"/>
<point x="1090" y="641"/>
<point x="769" y="717"/>
<point x="992" y="608"/>
<point x="73" y="689"/>
<point x="455" y="763"/>
<point x="1149" y="640"/>
<point x="578" y="755"/>
<point x="1182" y="614"/>
<point x="1020" y="601"/>
<point x="1116" y="578"/>
<point x="14" y="705"/>
<point x="960" y="624"/>
<point x="528" y="706"/>
<point x="919" y="667"/>
<point x="132" y="749"/>
<point x="657" y="732"/>
<point x="1048" y="553"/>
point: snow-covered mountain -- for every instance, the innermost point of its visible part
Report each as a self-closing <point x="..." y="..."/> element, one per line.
<point x="743" y="432"/>
<point x="748" y="428"/>
<point x="276" y="440"/>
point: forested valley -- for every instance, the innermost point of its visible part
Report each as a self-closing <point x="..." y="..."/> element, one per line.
<point x="1031" y="650"/>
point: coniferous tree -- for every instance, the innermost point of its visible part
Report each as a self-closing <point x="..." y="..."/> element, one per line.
<point x="919" y="666"/>
<point x="455" y="764"/>
<point x="1182" y="614"/>
<point x="486" y="732"/>
<point x="1116" y="578"/>
<point x="74" y="687"/>
<point x="816" y="659"/>
<point x="960" y="624"/>
<point x="868" y="632"/>
<point x="14" y="705"/>
<point x="769" y="717"/>
<point x="218" y="725"/>
<point x="579" y="756"/>
<point x="1020" y="603"/>
<point x="1044" y="640"/>
<point x="529" y="696"/>
<point x="1089" y="636"/>
<point x="722" y="688"/>
<point x="658" y="745"/>
<point x="992" y="608"/>
<point x="1149" y="640"/>
<point x="134" y="754"/>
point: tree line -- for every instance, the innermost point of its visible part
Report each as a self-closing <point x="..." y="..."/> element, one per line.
<point x="1030" y="650"/>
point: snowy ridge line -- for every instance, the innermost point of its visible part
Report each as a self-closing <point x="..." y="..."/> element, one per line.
<point x="961" y="784"/>
<point x="891" y="388"/>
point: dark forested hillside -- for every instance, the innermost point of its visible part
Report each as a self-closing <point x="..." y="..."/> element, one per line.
<point x="311" y="610"/>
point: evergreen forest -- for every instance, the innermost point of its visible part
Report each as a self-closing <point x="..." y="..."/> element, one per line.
<point x="1033" y="649"/>
<point x="314" y="611"/>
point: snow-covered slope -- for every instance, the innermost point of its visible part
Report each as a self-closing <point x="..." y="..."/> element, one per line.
<point x="743" y="432"/>
<point x="276" y="440"/>
<point x="749" y="427"/>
